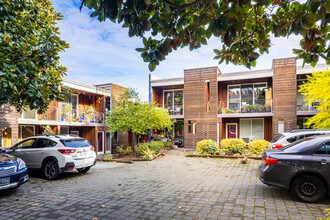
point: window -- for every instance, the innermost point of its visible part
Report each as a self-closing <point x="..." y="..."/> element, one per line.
<point x="6" y="137"/>
<point x="173" y="102"/>
<point x="25" y="144"/>
<point x="252" y="128"/>
<point x="194" y="128"/>
<point x="41" y="143"/>
<point x="189" y="127"/>
<point x="25" y="131"/>
<point x="29" y="114"/>
<point x="246" y="94"/>
<point x="321" y="150"/>
<point x="71" y="99"/>
<point x="64" y="130"/>
<point x="207" y="96"/>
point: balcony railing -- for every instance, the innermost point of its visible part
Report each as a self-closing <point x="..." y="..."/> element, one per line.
<point x="96" y="117"/>
<point x="174" y="110"/>
<point x="235" y="108"/>
<point x="307" y="108"/>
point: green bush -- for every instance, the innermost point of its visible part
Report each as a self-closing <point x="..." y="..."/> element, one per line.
<point x="144" y="150"/>
<point x="256" y="147"/>
<point x="107" y="157"/>
<point x="156" y="146"/>
<point x="124" y="150"/>
<point x="166" y="144"/>
<point x="207" y="147"/>
<point x="233" y="146"/>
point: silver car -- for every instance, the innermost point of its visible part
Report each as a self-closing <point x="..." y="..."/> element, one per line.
<point x="54" y="154"/>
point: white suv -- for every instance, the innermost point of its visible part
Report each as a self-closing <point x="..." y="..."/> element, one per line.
<point x="54" y="154"/>
<point x="295" y="135"/>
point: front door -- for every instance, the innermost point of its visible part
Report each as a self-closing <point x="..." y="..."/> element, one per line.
<point x="100" y="142"/>
<point x="231" y="130"/>
<point x="108" y="142"/>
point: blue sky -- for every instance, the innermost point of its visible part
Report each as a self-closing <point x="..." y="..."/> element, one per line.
<point x="102" y="52"/>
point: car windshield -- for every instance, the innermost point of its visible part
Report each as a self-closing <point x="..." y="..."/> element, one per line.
<point x="298" y="146"/>
<point x="76" y="143"/>
<point x="280" y="136"/>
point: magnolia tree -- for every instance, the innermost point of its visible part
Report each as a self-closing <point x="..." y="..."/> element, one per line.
<point x="244" y="27"/>
<point x="30" y="75"/>
<point x="131" y="114"/>
<point x="317" y="89"/>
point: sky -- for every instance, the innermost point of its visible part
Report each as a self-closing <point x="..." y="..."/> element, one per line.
<point x="102" y="52"/>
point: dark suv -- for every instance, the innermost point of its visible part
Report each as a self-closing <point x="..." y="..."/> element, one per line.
<point x="303" y="167"/>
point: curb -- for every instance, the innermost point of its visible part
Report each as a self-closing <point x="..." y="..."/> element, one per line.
<point x="132" y="160"/>
<point x="223" y="156"/>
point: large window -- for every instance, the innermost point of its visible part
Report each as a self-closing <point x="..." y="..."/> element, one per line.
<point x="173" y="102"/>
<point x="253" y="129"/>
<point x="71" y="99"/>
<point x="301" y="103"/>
<point x="246" y="94"/>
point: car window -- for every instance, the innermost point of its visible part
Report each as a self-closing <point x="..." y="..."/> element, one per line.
<point x="321" y="150"/>
<point x="292" y="139"/>
<point x="41" y="143"/>
<point x="280" y="136"/>
<point x="327" y="147"/>
<point x="25" y="144"/>
<point x="299" y="146"/>
<point x="51" y="143"/>
<point x="76" y="143"/>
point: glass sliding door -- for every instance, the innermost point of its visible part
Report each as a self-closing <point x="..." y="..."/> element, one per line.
<point x="259" y="93"/>
<point x="247" y="94"/>
<point x="252" y="129"/>
<point x="234" y="97"/>
<point x="173" y="102"/>
<point x="168" y="101"/>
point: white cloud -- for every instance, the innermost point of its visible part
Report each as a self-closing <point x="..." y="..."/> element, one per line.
<point x="102" y="52"/>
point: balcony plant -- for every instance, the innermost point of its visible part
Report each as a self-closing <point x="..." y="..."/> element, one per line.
<point x="244" y="108"/>
<point x="82" y="116"/>
<point x="260" y="108"/>
<point x="89" y="113"/>
<point x="268" y="108"/>
<point x="66" y="113"/>
<point x="251" y="108"/>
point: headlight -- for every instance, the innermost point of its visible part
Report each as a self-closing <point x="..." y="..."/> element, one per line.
<point x="21" y="164"/>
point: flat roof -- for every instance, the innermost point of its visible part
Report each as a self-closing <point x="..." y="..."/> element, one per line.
<point x="85" y="88"/>
<point x="253" y="74"/>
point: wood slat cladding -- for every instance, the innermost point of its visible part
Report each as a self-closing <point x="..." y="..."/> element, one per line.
<point x="9" y="119"/>
<point x="284" y="94"/>
<point x="195" y="104"/>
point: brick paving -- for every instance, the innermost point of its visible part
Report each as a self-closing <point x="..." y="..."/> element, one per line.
<point x="171" y="187"/>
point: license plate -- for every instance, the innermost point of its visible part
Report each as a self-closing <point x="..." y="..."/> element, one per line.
<point x="83" y="154"/>
<point x="5" y="181"/>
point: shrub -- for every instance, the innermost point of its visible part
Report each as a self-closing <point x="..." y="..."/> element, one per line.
<point x="233" y="146"/>
<point x="124" y="150"/>
<point x="144" y="150"/>
<point x="107" y="157"/>
<point x="156" y="146"/>
<point x="166" y="144"/>
<point x="207" y="147"/>
<point x="256" y="147"/>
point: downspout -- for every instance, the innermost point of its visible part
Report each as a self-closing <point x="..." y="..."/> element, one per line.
<point x="149" y="134"/>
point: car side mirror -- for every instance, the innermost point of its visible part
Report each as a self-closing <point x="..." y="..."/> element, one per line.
<point x="2" y="151"/>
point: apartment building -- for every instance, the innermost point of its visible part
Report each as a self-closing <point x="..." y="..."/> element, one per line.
<point x="82" y="112"/>
<point x="207" y="104"/>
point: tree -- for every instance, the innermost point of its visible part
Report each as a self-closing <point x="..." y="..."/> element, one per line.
<point x="129" y="113"/>
<point x="244" y="27"/>
<point x="30" y="75"/>
<point x="317" y="89"/>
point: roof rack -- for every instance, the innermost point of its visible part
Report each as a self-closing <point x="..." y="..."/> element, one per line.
<point x="301" y="130"/>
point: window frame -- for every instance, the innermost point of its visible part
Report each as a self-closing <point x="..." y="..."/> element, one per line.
<point x="250" y="137"/>
<point x="240" y="92"/>
<point x="173" y="90"/>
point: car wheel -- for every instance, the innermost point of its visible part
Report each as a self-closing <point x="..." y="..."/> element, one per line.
<point x="83" y="170"/>
<point x="308" y="188"/>
<point x="51" y="171"/>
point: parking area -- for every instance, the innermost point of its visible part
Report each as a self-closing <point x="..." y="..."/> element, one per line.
<point x="171" y="187"/>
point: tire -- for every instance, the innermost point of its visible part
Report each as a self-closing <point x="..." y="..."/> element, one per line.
<point x="83" y="170"/>
<point x="308" y="188"/>
<point x="50" y="170"/>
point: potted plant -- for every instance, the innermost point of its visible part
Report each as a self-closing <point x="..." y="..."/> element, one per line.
<point x="67" y="112"/>
<point x="260" y="108"/>
<point x="90" y="113"/>
<point x="244" y="108"/>
<point x="82" y="116"/>
<point x="62" y="116"/>
<point x="268" y="108"/>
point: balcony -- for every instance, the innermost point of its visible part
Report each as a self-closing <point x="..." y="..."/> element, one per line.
<point x="239" y="110"/>
<point x="174" y="110"/>
<point x="304" y="109"/>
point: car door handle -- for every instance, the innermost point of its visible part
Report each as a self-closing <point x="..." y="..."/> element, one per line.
<point x="324" y="162"/>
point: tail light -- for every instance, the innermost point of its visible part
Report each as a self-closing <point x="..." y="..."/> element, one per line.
<point x="70" y="167"/>
<point x="276" y="146"/>
<point x="92" y="148"/>
<point x="67" y="151"/>
<point x="269" y="161"/>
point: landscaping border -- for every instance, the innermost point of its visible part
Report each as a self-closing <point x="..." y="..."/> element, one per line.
<point x="132" y="160"/>
<point x="223" y="156"/>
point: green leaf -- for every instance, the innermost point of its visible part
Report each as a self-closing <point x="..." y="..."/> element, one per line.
<point x="152" y="66"/>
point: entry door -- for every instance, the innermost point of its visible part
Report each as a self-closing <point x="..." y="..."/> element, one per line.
<point x="231" y="130"/>
<point x="100" y="142"/>
<point x="108" y="142"/>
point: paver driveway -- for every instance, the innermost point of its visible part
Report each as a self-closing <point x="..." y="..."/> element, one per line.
<point x="171" y="187"/>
